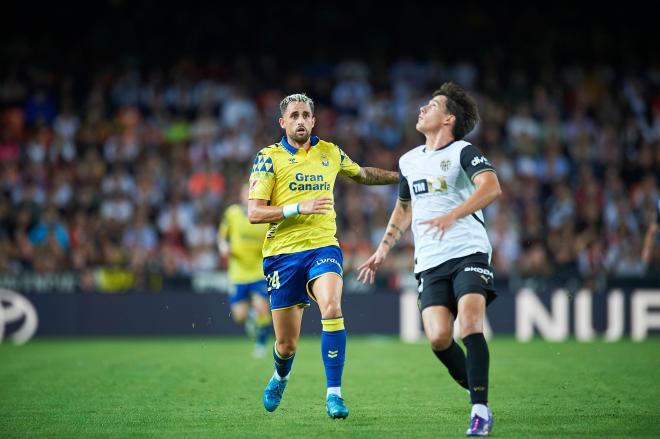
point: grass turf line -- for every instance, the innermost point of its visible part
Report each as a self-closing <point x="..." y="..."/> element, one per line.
<point x="211" y="387"/>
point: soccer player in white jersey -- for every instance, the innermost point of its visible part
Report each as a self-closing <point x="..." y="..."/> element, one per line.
<point x="445" y="183"/>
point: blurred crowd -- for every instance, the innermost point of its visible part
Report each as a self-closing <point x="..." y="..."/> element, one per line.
<point x="132" y="168"/>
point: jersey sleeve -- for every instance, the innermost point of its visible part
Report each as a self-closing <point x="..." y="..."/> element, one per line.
<point x="474" y="162"/>
<point x="262" y="178"/>
<point x="404" y="189"/>
<point x="347" y="166"/>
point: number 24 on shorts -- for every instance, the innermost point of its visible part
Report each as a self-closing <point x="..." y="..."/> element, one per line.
<point x="273" y="281"/>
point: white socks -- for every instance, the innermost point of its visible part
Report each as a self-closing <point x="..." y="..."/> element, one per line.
<point x="279" y="378"/>
<point x="481" y="410"/>
<point x="335" y="390"/>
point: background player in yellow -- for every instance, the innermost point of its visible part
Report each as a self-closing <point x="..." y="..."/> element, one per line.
<point x="240" y="244"/>
<point x="291" y="188"/>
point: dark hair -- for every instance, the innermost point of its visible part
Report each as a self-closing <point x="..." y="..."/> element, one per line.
<point x="460" y="105"/>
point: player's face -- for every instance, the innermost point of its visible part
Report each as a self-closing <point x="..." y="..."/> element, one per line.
<point x="433" y="116"/>
<point x="298" y="122"/>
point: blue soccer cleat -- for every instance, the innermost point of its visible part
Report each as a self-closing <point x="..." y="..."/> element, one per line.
<point x="479" y="426"/>
<point x="273" y="393"/>
<point x="335" y="407"/>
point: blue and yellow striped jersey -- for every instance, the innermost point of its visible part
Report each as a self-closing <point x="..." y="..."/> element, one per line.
<point x="283" y="174"/>
<point x="245" y="240"/>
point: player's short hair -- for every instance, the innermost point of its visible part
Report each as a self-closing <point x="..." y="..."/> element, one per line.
<point x="298" y="97"/>
<point x="462" y="106"/>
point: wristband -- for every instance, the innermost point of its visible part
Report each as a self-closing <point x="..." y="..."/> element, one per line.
<point x="290" y="210"/>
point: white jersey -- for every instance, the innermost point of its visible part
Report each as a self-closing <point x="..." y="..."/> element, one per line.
<point x="437" y="182"/>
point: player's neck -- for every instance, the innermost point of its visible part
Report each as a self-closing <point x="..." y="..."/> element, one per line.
<point x="295" y="144"/>
<point x="438" y="140"/>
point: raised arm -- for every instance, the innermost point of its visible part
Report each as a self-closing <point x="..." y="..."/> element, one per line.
<point x="260" y="212"/>
<point x="374" y="176"/>
<point x="399" y="222"/>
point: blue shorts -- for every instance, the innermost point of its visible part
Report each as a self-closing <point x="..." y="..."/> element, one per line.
<point x="289" y="275"/>
<point x="241" y="292"/>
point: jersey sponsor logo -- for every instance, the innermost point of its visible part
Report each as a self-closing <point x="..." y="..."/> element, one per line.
<point x="420" y="187"/>
<point x="293" y="186"/>
<point x="324" y="260"/>
<point x="479" y="270"/>
<point x="445" y="164"/>
<point x="479" y="160"/>
<point x="309" y="177"/>
<point x="438" y="184"/>
<point x="303" y="183"/>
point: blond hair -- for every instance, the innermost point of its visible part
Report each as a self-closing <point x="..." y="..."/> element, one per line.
<point x="297" y="97"/>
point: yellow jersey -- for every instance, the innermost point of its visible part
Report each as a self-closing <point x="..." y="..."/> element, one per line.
<point x="245" y="240"/>
<point x="283" y="174"/>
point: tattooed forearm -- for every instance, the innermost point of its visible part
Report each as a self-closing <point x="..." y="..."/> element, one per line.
<point x="394" y="236"/>
<point x="399" y="222"/>
<point x="373" y="176"/>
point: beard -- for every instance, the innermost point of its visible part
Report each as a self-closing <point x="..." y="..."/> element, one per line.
<point x="300" y="138"/>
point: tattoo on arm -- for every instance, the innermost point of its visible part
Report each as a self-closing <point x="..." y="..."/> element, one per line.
<point x="373" y="176"/>
<point x="395" y="228"/>
<point x="395" y="236"/>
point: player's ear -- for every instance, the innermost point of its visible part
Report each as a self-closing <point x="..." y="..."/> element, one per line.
<point x="282" y="124"/>
<point x="313" y="121"/>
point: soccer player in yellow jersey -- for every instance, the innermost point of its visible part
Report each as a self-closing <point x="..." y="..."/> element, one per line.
<point x="291" y="188"/>
<point x="240" y="243"/>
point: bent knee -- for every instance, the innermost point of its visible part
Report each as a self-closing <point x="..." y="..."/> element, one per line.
<point x="440" y="341"/>
<point x="471" y="325"/>
<point x="286" y="348"/>
<point x="331" y="310"/>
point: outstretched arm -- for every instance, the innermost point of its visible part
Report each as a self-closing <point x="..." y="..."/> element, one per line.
<point x="373" y="176"/>
<point x="260" y="212"/>
<point x="399" y="223"/>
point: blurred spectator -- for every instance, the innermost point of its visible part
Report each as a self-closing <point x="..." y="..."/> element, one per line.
<point x="50" y="226"/>
<point x="127" y="170"/>
<point x="202" y="243"/>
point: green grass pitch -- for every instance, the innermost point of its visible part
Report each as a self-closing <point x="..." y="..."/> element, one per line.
<point x="211" y="387"/>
